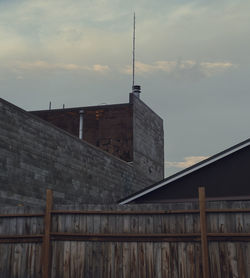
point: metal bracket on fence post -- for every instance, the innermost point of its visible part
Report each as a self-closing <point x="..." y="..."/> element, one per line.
<point x="46" y="238"/>
<point x="203" y="226"/>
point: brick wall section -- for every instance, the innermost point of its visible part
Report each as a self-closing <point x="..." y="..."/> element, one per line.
<point x="108" y="127"/>
<point x="35" y="155"/>
<point x="148" y="140"/>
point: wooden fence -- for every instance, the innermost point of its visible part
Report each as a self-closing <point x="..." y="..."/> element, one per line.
<point x="135" y="241"/>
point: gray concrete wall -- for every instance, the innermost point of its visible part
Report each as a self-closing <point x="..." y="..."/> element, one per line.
<point x="35" y="155"/>
<point x="148" y="141"/>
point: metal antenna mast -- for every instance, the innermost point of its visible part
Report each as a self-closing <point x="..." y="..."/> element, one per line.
<point x="134" y="54"/>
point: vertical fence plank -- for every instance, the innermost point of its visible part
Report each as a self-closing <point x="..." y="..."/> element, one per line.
<point x="203" y="225"/>
<point x="46" y="238"/>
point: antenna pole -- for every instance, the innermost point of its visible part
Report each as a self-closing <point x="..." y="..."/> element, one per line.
<point x="133" y="54"/>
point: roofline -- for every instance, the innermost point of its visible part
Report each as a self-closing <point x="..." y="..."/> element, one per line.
<point x="104" y="106"/>
<point x="186" y="171"/>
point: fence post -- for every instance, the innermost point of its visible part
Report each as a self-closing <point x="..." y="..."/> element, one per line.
<point x="46" y="238"/>
<point x="203" y="225"/>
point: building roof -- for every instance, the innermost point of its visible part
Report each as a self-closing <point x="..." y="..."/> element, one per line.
<point x="185" y="172"/>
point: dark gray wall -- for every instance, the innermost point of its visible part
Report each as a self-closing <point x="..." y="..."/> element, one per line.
<point x="148" y="140"/>
<point x="35" y="155"/>
<point x="228" y="177"/>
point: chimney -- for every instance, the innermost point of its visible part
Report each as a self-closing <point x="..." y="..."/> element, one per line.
<point x="136" y="90"/>
<point x="81" y="112"/>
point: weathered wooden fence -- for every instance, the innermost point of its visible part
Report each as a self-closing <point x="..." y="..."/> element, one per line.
<point x="168" y="240"/>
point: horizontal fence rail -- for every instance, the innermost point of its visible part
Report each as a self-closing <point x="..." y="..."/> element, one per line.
<point x="100" y="212"/>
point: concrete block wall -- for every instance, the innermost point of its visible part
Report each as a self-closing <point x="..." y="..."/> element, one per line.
<point x="148" y="140"/>
<point x="35" y="155"/>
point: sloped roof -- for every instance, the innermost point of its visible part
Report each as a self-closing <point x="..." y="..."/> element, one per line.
<point x="185" y="172"/>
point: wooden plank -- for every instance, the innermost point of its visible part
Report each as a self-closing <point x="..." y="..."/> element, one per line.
<point x="165" y="259"/>
<point x="149" y="260"/>
<point x="126" y="224"/>
<point x="182" y="259"/>
<point x="117" y="259"/>
<point x="6" y="259"/>
<point x="190" y="260"/>
<point x="157" y="259"/>
<point x="241" y="261"/>
<point x="105" y="255"/>
<point x="126" y="260"/>
<point x="242" y="210"/>
<point x="54" y="260"/>
<point x="46" y="238"/>
<point x="73" y="255"/>
<point x="174" y="260"/>
<point x="130" y="237"/>
<point x="114" y="212"/>
<point x="110" y="212"/>
<point x="97" y="261"/>
<point x="203" y="224"/>
<point x="134" y="260"/>
<point x="125" y="237"/>
<point x="215" y="265"/>
<point x="21" y="236"/>
<point x="20" y="240"/>
<point x="16" y="261"/>
<point x="232" y="262"/>
<point x="228" y="234"/>
<point x="135" y="235"/>
<point x="22" y="215"/>
<point x="81" y="258"/>
<point x="66" y="259"/>
<point x="141" y="259"/>
<point x="57" y="260"/>
<point x="110" y="260"/>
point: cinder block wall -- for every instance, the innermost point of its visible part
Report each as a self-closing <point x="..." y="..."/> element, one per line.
<point x="35" y="155"/>
<point x="148" y="141"/>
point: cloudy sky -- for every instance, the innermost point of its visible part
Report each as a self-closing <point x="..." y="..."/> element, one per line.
<point x="192" y="61"/>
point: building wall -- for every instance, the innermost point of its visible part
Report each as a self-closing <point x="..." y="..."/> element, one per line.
<point x="228" y="177"/>
<point x="35" y="155"/>
<point x="148" y="140"/>
<point x="131" y="131"/>
<point x="108" y="127"/>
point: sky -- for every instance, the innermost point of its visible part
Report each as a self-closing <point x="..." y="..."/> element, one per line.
<point x="192" y="62"/>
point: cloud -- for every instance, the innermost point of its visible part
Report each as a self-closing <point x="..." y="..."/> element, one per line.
<point x="188" y="161"/>
<point x="141" y="68"/>
<point x="43" y="65"/>
<point x="101" y="68"/>
<point x="206" y="69"/>
<point x="210" y="69"/>
<point x="72" y="31"/>
<point x="62" y="31"/>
